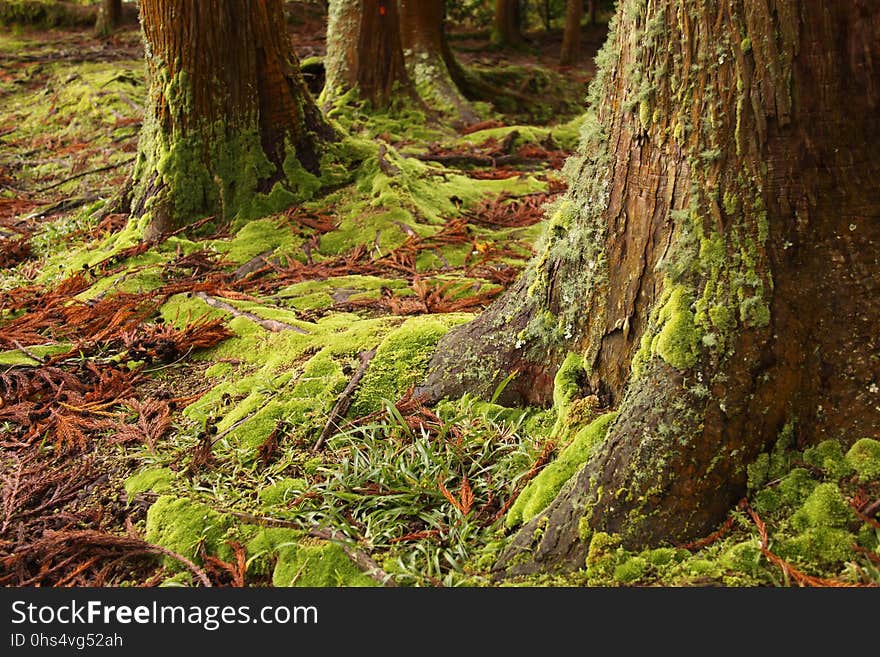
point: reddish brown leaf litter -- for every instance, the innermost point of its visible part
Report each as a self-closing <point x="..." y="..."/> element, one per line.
<point x="14" y="251"/>
<point x="509" y="211"/>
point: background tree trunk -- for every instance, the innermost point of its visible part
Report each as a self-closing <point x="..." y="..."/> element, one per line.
<point x="364" y="52"/>
<point x="428" y="55"/>
<point x="715" y="264"/>
<point x="229" y="116"/>
<point x="109" y="17"/>
<point x="507" y="26"/>
<point x="571" y="36"/>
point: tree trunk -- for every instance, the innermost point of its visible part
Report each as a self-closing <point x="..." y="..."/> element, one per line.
<point x="231" y="129"/>
<point x="571" y="37"/>
<point x="364" y="52"/>
<point x="714" y="263"/>
<point x="593" y="11"/>
<point x="109" y="17"/>
<point x="428" y="55"/>
<point x="507" y="26"/>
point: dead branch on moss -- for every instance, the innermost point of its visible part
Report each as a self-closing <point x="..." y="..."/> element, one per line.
<point x="272" y="325"/>
<point x="342" y="404"/>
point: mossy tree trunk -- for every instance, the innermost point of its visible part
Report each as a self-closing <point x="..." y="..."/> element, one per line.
<point x="429" y="59"/>
<point x="230" y="128"/>
<point x="714" y="263"/>
<point x="364" y="52"/>
<point x="571" y="36"/>
<point x="507" y="30"/>
<point x="109" y="17"/>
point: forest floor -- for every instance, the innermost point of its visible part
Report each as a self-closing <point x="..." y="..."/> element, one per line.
<point x="233" y="406"/>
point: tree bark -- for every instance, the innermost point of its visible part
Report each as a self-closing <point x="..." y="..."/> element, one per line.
<point x="507" y="26"/>
<point x="571" y="36"/>
<point x="364" y="52"/>
<point x="714" y="262"/>
<point x="109" y="17"/>
<point x="429" y="59"/>
<point x="230" y="128"/>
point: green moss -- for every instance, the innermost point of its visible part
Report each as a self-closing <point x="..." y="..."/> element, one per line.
<point x="568" y="381"/>
<point x="564" y="135"/>
<point x="218" y="370"/>
<point x="792" y="490"/>
<point x="264" y="547"/>
<point x="758" y="471"/>
<point x="157" y="480"/>
<point x="602" y="555"/>
<point x="704" y="568"/>
<point x="744" y="556"/>
<point x="256" y="237"/>
<point x="820" y="546"/>
<point x="828" y="456"/>
<point x="664" y="556"/>
<point x="182" y="525"/>
<point x="401" y="360"/>
<point x="864" y="458"/>
<point x="631" y="570"/>
<point x="541" y="490"/>
<point x="825" y="507"/>
<point x="679" y="340"/>
<point x="317" y="565"/>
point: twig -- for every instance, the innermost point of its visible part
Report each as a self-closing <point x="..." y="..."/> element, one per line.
<point x="269" y="324"/>
<point x="82" y="174"/>
<point x="232" y="428"/>
<point x="344" y="401"/>
<point x="27" y="352"/>
<point x="65" y="204"/>
<point x="252" y="265"/>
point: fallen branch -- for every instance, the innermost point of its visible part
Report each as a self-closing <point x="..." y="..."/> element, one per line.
<point x="269" y="324"/>
<point x="344" y="401"/>
<point x="27" y="352"/>
<point x="82" y="174"/>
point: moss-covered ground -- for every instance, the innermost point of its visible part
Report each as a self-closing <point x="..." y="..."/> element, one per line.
<point x="241" y="394"/>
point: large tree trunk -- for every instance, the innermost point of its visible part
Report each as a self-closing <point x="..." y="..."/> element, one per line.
<point x="109" y="17"/>
<point x="428" y="58"/>
<point x="571" y="36"/>
<point x="507" y="24"/>
<point x="230" y="129"/>
<point x="714" y="262"/>
<point x="364" y="52"/>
